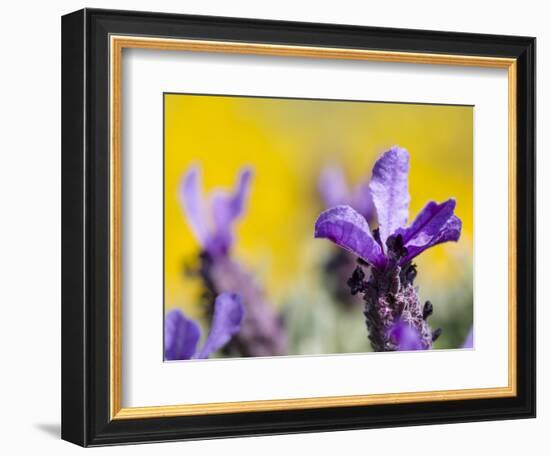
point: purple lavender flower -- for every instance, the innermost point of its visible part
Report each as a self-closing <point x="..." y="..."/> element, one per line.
<point x="212" y="219"/>
<point x="261" y="332"/>
<point x="181" y="334"/>
<point x="334" y="191"/>
<point x="386" y="252"/>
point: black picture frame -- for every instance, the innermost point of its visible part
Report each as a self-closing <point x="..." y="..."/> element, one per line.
<point x="85" y="228"/>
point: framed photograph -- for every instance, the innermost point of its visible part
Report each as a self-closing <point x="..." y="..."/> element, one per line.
<point x="278" y="227"/>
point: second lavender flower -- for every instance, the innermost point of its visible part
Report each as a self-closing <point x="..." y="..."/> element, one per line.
<point x="395" y="317"/>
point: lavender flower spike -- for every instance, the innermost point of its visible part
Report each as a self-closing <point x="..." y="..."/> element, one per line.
<point x="212" y="219"/>
<point x="388" y="291"/>
<point x="181" y="335"/>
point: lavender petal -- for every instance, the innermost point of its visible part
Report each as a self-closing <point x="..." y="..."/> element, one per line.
<point x="333" y="187"/>
<point x="389" y="188"/>
<point x="180" y="336"/>
<point x="427" y="223"/>
<point x="228" y="315"/>
<point x="405" y="337"/>
<point x="193" y="205"/>
<point x="450" y="231"/>
<point x="226" y="209"/>
<point x="348" y="229"/>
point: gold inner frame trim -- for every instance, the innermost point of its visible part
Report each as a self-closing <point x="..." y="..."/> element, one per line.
<point x="117" y="44"/>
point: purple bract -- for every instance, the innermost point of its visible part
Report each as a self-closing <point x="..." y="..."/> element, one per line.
<point x="212" y="219"/>
<point x="181" y="334"/>
<point x="405" y="337"/>
<point x="435" y="224"/>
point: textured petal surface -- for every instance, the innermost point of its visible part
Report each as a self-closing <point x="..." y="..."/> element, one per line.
<point x="406" y="337"/>
<point x="226" y="209"/>
<point x="193" y="205"/>
<point x="469" y="341"/>
<point x="428" y="222"/>
<point x="347" y="228"/>
<point x="389" y="187"/>
<point x="228" y="315"/>
<point x="180" y="336"/>
<point x="450" y="231"/>
<point x="333" y="187"/>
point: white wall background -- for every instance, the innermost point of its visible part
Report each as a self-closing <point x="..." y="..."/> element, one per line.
<point x="30" y="193"/>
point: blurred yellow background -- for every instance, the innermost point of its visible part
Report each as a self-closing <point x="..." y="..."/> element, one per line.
<point x="287" y="142"/>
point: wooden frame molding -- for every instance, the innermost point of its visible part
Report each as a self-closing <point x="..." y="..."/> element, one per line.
<point x="116" y="46"/>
